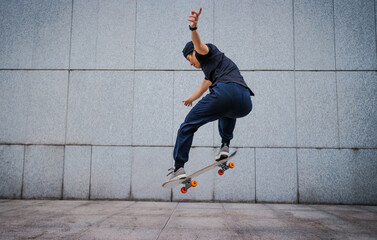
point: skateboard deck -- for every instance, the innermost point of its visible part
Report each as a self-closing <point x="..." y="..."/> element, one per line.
<point x="189" y="181"/>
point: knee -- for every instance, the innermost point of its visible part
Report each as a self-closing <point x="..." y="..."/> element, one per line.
<point x="186" y="128"/>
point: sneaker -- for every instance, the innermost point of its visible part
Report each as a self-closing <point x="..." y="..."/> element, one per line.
<point x="223" y="153"/>
<point x="179" y="174"/>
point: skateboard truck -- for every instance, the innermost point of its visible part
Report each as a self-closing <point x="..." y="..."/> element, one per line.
<point x="188" y="183"/>
<point x="224" y="166"/>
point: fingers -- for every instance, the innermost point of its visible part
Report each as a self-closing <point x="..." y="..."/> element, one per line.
<point x="193" y="22"/>
<point x="196" y="13"/>
<point x="187" y="103"/>
<point x="193" y="17"/>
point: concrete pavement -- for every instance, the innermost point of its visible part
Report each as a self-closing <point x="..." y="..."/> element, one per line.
<point x="43" y="219"/>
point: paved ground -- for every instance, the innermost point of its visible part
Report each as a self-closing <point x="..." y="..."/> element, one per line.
<point x="26" y="219"/>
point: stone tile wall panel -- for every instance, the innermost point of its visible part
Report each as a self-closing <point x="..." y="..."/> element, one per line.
<point x="111" y="172"/>
<point x="77" y="169"/>
<point x="100" y="107"/>
<point x="355" y="36"/>
<point x="149" y="168"/>
<point x="314" y="35"/>
<point x="43" y="172"/>
<point x="35" y="35"/>
<point x="33" y="106"/>
<point x="357" y="101"/>
<point x="337" y="176"/>
<point x="316" y="104"/>
<point x="160" y="38"/>
<point x="103" y="34"/>
<point x="276" y="175"/>
<point x="273" y="35"/>
<point x="13" y="107"/>
<point x="11" y="170"/>
<point x="17" y="30"/>
<point x="153" y="108"/>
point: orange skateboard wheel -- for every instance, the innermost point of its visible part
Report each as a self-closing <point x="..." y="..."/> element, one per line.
<point x="183" y="190"/>
<point x="231" y="165"/>
<point x="194" y="183"/>
<point x="220" y="172"/>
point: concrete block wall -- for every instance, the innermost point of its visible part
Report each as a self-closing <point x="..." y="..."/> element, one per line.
<point x="90" y="99"/>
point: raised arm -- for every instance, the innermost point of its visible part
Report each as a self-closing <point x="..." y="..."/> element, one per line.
<point x="199" y="46"/>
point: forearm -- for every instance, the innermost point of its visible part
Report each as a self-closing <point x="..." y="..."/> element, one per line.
<point x="195" y="37"/>
<point x="200" y="90"/>
<point x="199" y="46"/>
<point x="198" y="93"/>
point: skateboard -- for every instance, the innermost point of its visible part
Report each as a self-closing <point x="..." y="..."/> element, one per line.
<point x="189" y="180"/>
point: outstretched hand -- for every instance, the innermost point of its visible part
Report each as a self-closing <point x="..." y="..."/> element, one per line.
<point x="187" y="102"/>
<point x="194" y="18"/>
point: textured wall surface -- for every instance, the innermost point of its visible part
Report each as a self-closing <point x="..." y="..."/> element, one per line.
<point x="90" y="99"/>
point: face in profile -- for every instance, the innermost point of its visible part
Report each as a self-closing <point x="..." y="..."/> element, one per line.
<point x="193" y="60"/>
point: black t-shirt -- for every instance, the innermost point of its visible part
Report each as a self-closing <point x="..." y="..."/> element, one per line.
<point x="219" y="68"/>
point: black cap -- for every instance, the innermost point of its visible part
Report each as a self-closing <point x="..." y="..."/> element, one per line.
<point x="189" y="48"/>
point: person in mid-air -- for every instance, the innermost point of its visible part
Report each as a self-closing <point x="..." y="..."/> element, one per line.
<point x="229" y="98"/>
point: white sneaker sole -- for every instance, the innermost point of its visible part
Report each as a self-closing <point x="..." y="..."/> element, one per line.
<point x="179" y="177"/>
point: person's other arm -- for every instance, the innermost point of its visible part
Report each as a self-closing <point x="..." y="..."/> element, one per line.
<point x="199" y="46"/>
<point x="198" y="92"/>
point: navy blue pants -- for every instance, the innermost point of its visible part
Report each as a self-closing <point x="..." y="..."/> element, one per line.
<point x="226" y="102"/>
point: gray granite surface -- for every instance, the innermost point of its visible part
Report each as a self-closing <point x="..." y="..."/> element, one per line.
<point x="314" y="46"/>
<point x="11" y="170"/>
<point x="77" y="166"/>
<point x="111" y="172"/>
<point x="100" y="107"/>
<point x="276" y="175"/>
<point x="355" y="35"/>
<point x="43" y="172"/>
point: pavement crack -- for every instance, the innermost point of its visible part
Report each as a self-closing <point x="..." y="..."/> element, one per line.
<point x="167" y="221"/>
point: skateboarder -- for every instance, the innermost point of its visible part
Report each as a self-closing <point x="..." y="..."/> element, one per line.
<point x="229" y="97"/>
